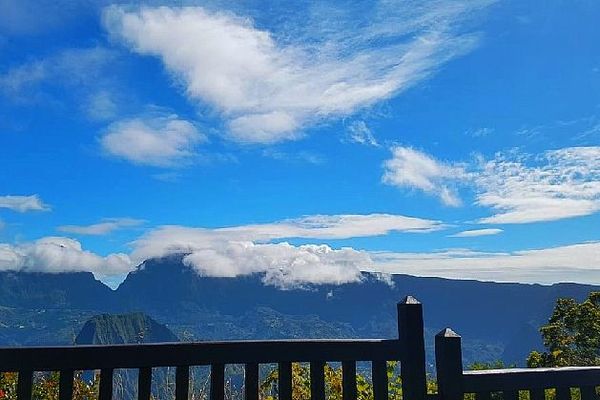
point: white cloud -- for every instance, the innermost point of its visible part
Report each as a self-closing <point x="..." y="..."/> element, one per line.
<point x="359" y="132"/>
<point x="519" y="187"/>
<point x="242" y="250"/>
<point x="224" y="254"/>
<point x="172" y="238"/>
<point x="60" y="254"/>
<point x="335" y="227"/>
<point x="410" y="168"/>
<point x="572" y="263"/>
<point x="283" y="265"/>
<point x="560" y="184"/>
<point x="478" y="232"/>
<point x="102" y="228"/>
<point x="23" y="203"/>
<point x="268" y="85"/>
<point x="161" y="141"/>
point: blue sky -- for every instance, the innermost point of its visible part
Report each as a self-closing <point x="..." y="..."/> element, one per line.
<point x="306" y="142"/>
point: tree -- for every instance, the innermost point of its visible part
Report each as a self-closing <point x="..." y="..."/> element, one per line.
<point x="571" y="336"/>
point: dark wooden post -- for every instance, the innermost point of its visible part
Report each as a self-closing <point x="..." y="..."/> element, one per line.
<point x="217" y="381"/>
<point x="285" y="381"/>
<point x="182" y="382"/>
<point x="65" y="385"/>
<point x="106" y="384"/>
<point x="349" y="389"/>
<point x="317" y="380"/>
<point x="144" y="383"/>
<point x="24" y="385"/>
<point x="410" y="333"/>
<point x="251" y="381"/>
<point x="448" y="363"/>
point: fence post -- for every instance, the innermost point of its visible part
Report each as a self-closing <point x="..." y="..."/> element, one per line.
<point x="448" y="364"/>
<point x="410" y="333"/>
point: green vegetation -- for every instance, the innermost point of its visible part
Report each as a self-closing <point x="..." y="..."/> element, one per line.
<point x="572" y="335"/>
<point x="46" y="385"/>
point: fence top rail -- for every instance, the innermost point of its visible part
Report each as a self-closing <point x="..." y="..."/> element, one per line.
<point x="529" y="378"/>
<point x="530" y="371"/>
<point x="197" y="353"/>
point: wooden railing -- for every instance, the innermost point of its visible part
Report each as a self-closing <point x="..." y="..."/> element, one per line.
<point x="454" y="383"/>
<point x="408" y="348"/>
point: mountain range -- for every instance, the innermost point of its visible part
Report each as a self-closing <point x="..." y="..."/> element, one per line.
<point x="496" y="320"/>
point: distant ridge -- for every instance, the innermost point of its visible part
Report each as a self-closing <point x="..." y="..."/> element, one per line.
<point x="53" y="290"/>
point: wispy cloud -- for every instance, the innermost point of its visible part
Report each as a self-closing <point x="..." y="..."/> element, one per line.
<point x="85" y="71"/>
<point x="359" y="132"/>
<point x="158" y="140"/>
<point x="477" y="232"/>
<point x="299" y="156"/>
<point x="163" y="240"/>
<point x="557" y="184"/>
<point x="101" y="105"/>
<point x="23" y="203"/>
<point x="269" y="85"/>
<point x="571" y="263"/>
<point x="480" y="132"/>
<point x="413" y="169"/>
<point x="105" y="227"/>
<point x="518" y="187"/>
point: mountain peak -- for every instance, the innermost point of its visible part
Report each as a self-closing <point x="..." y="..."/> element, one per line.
<point x="124" y="328"/>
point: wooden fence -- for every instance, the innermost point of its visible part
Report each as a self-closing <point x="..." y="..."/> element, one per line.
<point x="408" y="349"/>
<point x="454" y="383"/>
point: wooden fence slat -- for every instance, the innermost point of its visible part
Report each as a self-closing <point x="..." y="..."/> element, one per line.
<point x="284" y="373"/>
<point x="251" y="381"/>
<point x="563" y="393"/>
<point x="380" y="381"/>
<point x="349" y="391"/>
<point x="144" y="383"/>
<point x="217" y="381"/>
<point x="588" y="393"/>
<point x="65" y="385"/>
<point x="182" y="382"/>
<point x="483" y="396"/>
<point x="106" y="384"/>
<point x="24" y="385"/>
<point x="317" y="380"/>
<point x="537" y="394"/>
